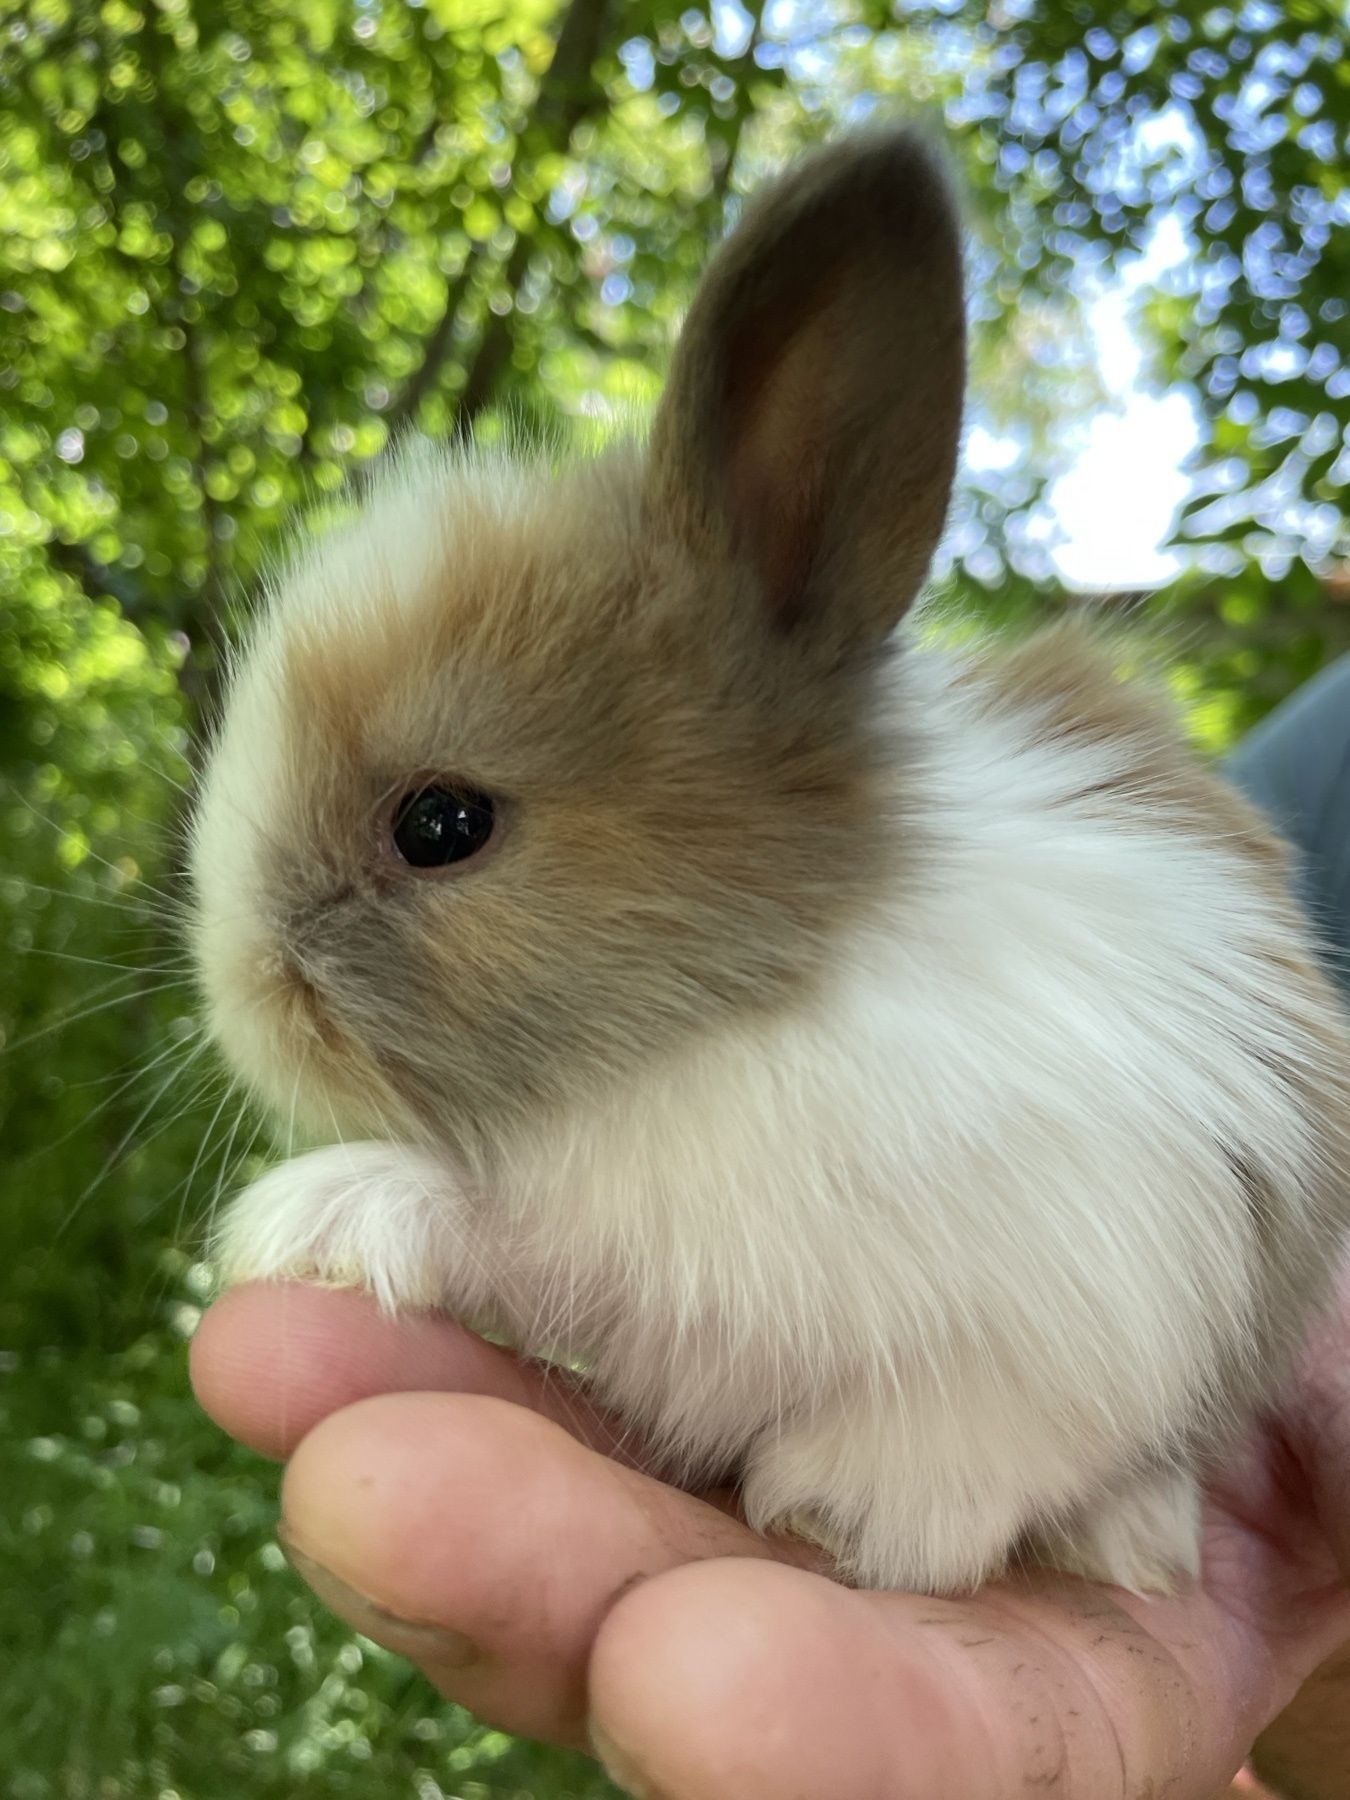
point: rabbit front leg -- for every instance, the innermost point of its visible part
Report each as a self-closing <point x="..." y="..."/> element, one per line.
<point x="367" y="1215"/>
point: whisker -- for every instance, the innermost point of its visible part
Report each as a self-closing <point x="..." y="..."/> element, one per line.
<point x="126" y="900"/>
<point x="159" y="1278"/>
<point x="295" y="1098"/>
<point x="130" y="990"/>
<point x="228" y="1090"/>
<point x="61" y="831"/>
<point x="182" y="967"/>
<point x="126" y="1138"/>
<point x="93" y="1117"/>
<point x="152" y="1061"/>
<point x="226" y="1164"/>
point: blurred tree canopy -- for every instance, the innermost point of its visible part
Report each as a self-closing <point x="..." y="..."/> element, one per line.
<point x="241" y="241"/>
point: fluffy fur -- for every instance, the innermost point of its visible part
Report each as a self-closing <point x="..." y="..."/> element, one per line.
<point x="901" y="1078"/>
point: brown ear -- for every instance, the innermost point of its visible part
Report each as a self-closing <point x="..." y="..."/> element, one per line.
<point x="811" y="423"/>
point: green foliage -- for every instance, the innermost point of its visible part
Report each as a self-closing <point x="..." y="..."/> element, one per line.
<point x="241" y="241"/>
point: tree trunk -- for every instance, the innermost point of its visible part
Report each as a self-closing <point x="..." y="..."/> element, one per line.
<point x="567" y="92"/>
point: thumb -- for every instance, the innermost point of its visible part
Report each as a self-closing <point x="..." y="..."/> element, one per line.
<point x="759" y="1680"/>
<point x="1320" y="1422"/>
<point x="1307" y="1749"/>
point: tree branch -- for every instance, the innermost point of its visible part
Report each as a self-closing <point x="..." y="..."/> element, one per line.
<point x="566" y="94"/>
<point x="495" y="343"/>
<point x="726" y="168"/>
<point x="436" y="348"/>
<point x="95" y="579"/>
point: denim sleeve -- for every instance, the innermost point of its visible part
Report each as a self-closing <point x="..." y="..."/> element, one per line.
<point x="1296" y="767"/>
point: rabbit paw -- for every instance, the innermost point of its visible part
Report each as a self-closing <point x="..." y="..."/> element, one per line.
<point x="846" y="1481"/>
<point x="1144" y="1537"/>
<point x="368" y="1216"/>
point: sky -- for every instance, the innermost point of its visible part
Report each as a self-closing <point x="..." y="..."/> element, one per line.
<point x="1116" y="504"/>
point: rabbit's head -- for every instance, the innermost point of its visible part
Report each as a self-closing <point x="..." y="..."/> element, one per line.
<point x="528" y="773"/>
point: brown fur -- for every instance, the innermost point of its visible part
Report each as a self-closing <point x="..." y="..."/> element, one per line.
<point x="812" y="420"/>
<point x="1065" y="678"/>
<point x="688" y="755"/>
<point x="685" y="822"/>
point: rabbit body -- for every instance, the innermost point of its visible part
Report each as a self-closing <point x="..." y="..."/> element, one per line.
<point x="962" y="1198"/>
<point x="967" y="1251"/>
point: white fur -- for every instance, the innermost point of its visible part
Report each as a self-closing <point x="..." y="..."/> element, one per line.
<point x="947" y="1259"/>
<point x="386" y="556"/>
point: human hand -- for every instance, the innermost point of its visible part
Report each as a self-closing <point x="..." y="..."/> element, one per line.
<point x="478" y="1516"/>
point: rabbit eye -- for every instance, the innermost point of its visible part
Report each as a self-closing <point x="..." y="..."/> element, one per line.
<point x="436" y="826"/>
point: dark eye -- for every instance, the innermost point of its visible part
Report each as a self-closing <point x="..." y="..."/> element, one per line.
<point x="439" y="825"/>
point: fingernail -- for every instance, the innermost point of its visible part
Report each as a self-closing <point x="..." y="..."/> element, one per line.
<point x="418" y="1641"/>
<point x="619" y="1769"/>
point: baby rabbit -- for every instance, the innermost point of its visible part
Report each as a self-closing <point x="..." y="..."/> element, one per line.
<point x="900" y="1077"/>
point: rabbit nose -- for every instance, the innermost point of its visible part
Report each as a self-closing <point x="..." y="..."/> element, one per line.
<point x="311" y="1005"/>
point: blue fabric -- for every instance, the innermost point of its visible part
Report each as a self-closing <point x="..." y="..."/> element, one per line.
<point x="1296" y="767"/>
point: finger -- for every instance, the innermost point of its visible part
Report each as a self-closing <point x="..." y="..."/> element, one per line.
<point x="760" y="1680"/>
<point x="271" y="1359"/>
<point x="1307" y="1748"/>
<point x="1320" y="1421"/>
<point x="486" y="1543"/>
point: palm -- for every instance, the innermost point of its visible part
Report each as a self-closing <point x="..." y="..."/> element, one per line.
<point x="556" y="1588"/>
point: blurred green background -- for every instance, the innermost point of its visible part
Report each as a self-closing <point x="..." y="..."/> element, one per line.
<point x="243" y="240"/>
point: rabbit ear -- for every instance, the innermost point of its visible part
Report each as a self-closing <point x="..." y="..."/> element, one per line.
<point x="812" y="419"/>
